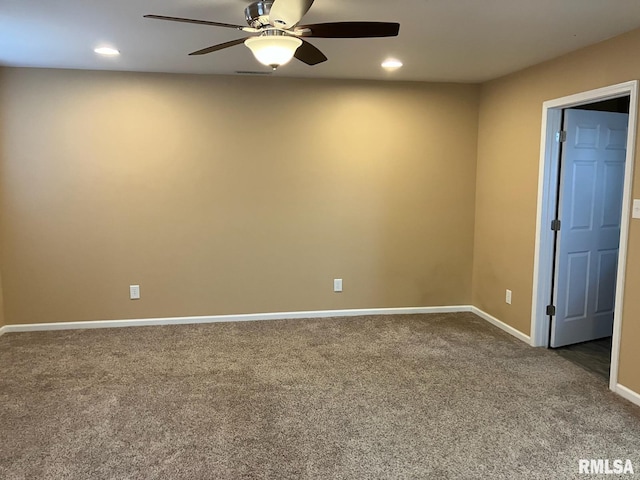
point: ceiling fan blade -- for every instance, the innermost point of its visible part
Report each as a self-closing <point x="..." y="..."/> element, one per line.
<point x="198" y="22"/>
<point x="220" y="46"/>
<point x="287" y="13"/>
<point x="309" y="54"/>
<point x="349" y="30"/>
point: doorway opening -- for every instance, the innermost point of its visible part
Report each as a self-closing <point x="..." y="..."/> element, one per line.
<point x="590" y="183"/>
<point x="584" y="206"/>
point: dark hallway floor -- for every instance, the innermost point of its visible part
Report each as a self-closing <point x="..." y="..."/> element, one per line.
<point x="594" y="356"/>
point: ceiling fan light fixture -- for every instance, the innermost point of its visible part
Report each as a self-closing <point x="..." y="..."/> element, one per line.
<point x="273" y="50"/>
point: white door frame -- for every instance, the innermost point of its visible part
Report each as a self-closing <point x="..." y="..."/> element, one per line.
<point x="547" y="185"/>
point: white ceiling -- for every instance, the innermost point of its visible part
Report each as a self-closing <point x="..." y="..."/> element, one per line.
<point x="440" y="40"/>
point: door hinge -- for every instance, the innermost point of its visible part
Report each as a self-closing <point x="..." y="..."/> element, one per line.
<point x="551" y="310"/>
<point x="561" y="136"/>
<point x="555" y="225"/>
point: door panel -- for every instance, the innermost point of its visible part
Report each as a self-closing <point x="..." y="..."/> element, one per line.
<point x="577" y="285"/>
<point x="586" y="136"/>
<point x="617" y="138"/>
<point x="583" y="195"/>
<point x="590" y="206"/>
<point x="613" y="178"/>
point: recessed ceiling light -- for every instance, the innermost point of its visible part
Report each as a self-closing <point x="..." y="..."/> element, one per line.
<point x="391" y="64"/>
<point x="107" y="51"/>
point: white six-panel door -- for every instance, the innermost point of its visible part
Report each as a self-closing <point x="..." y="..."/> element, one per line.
<point x="590" y="206"/>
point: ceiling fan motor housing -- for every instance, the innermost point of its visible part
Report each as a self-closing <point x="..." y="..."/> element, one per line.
<point x="257" y="14"/>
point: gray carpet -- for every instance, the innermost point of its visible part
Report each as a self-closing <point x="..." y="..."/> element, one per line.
<point x="415" y="396"/>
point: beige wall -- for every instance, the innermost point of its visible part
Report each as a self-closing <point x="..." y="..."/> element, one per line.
<point x="507" y="174"/>
<point x="224" y="195"/>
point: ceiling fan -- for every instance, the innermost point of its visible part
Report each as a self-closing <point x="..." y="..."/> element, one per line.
<point x="277" y="38"/>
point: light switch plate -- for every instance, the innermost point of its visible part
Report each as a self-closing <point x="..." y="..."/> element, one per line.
<point x="636" y="208"/>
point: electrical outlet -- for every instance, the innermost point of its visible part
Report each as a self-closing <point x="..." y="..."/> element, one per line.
<point x="507" y="297"/>
<point x="134" y="292"/>
<point x="337" y="284"/>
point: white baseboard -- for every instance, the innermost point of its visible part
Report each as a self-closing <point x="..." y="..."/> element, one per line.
<point x="501" y="325"/>
<point x="627" y="393"/>
<point x="145" y="322"/>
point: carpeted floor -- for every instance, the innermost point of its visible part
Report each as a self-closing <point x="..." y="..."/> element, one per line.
<point x="397" y="397"/>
